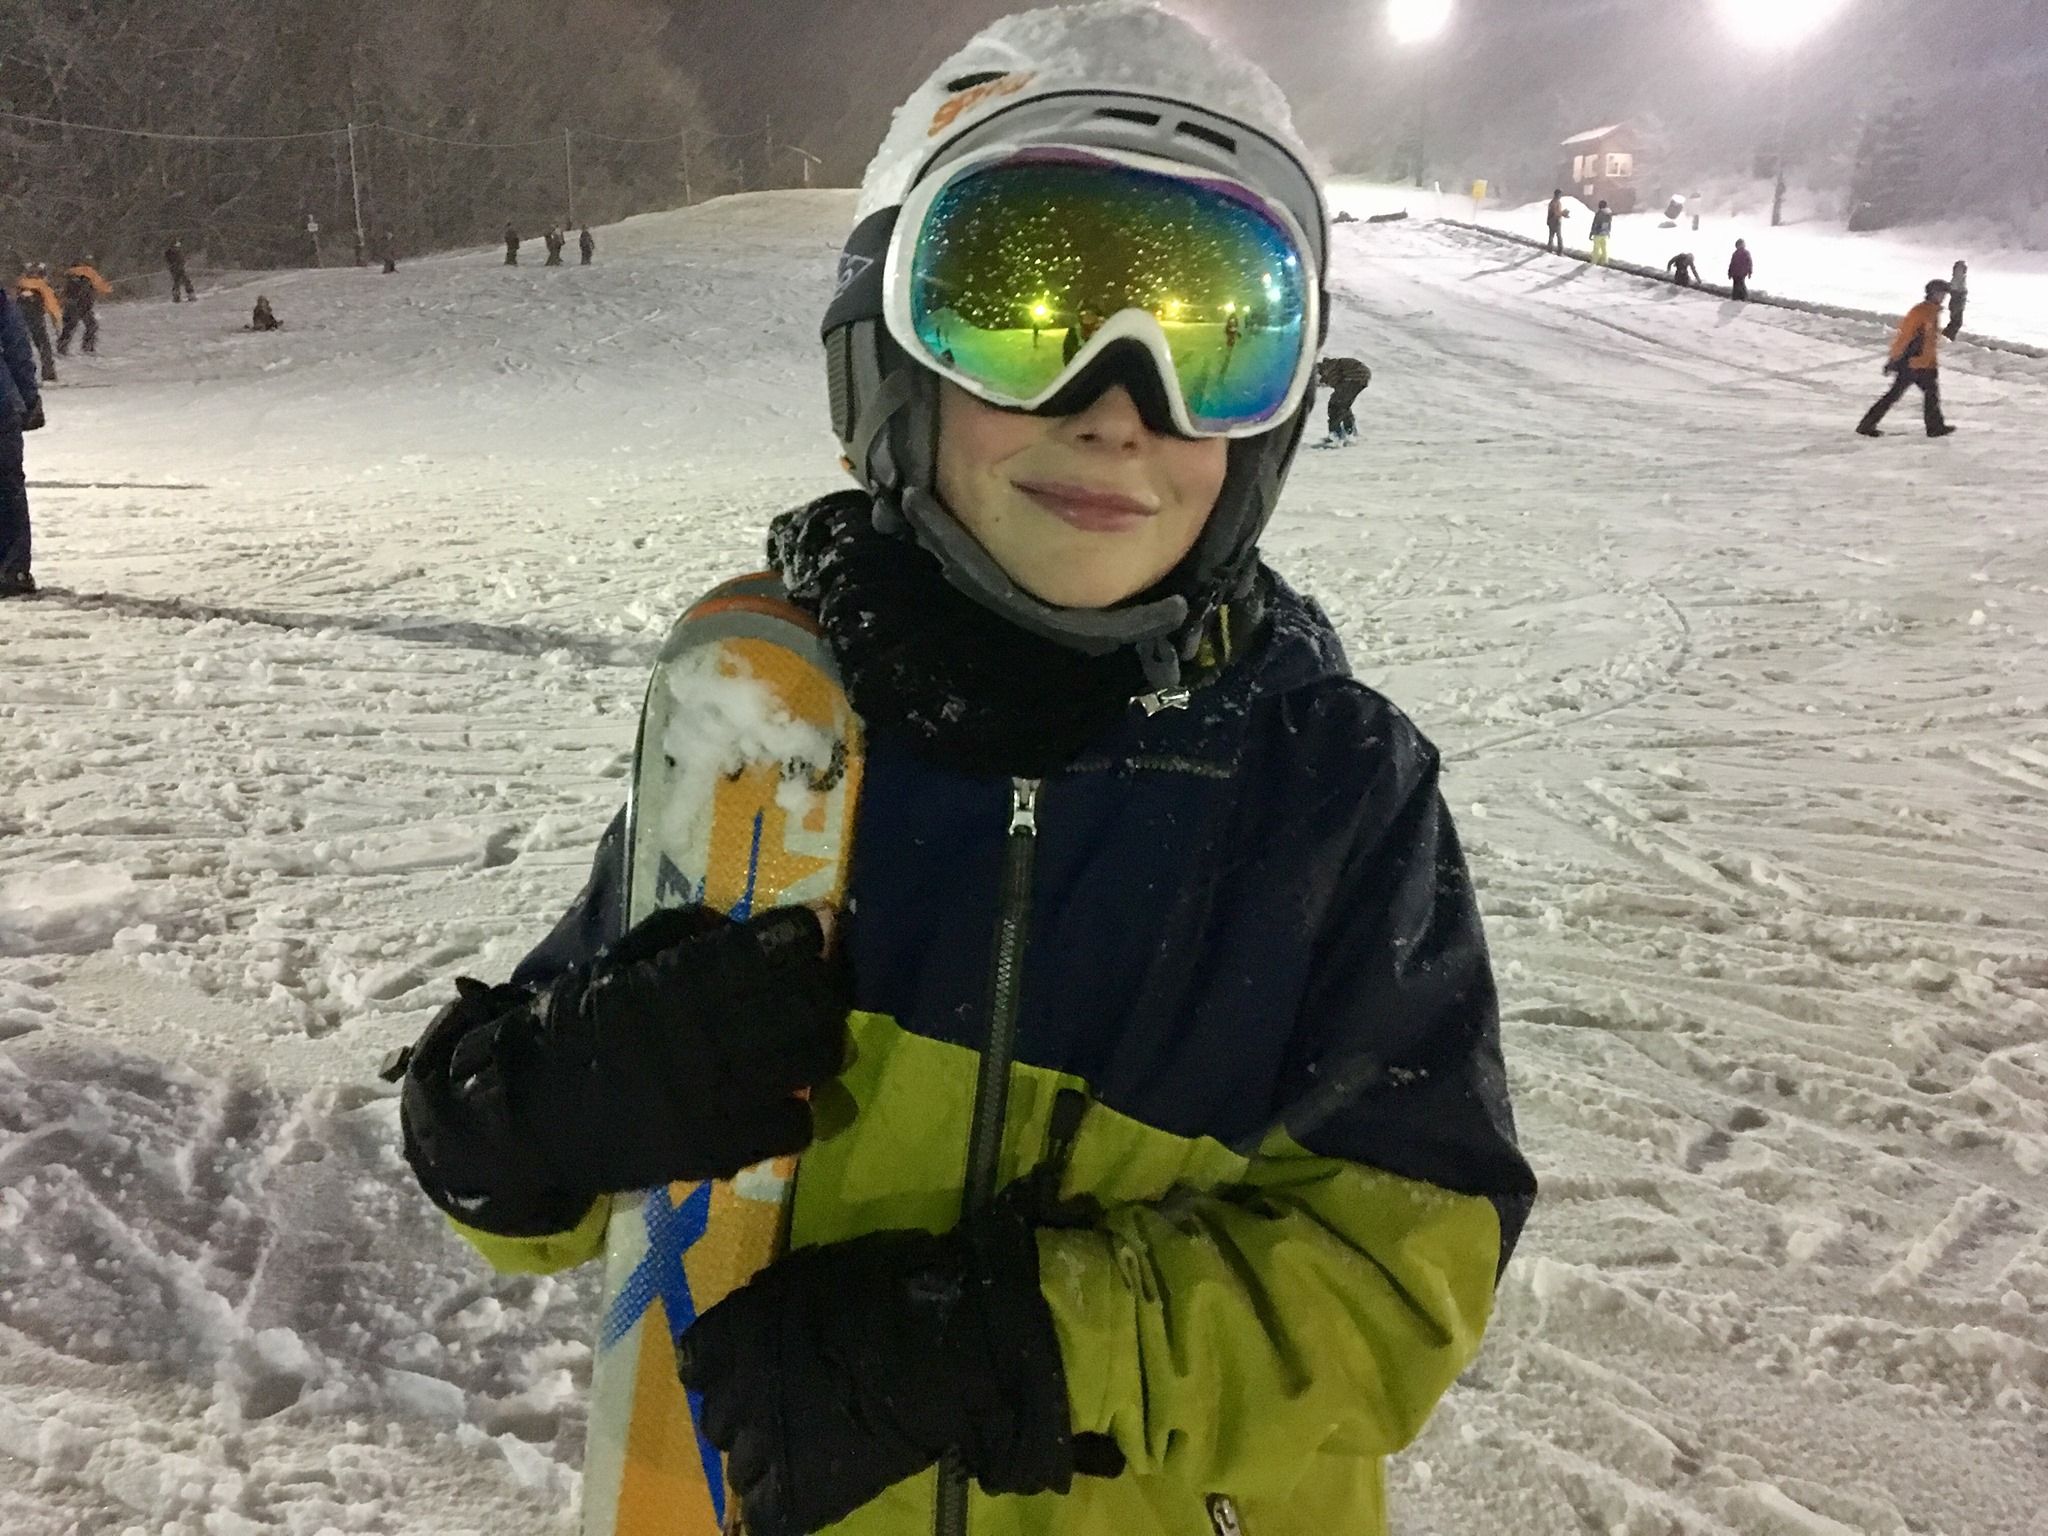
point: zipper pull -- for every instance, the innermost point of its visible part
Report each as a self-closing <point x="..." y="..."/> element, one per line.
<point x="1023" y="807"/>
<point x="1165" y="699"/>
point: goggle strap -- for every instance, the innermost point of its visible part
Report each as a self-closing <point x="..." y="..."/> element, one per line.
<point x="899" y="388"/>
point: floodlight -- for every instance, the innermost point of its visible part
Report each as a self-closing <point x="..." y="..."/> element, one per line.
<point x="1417" y="21"/>
<point x="1778" y="24"/>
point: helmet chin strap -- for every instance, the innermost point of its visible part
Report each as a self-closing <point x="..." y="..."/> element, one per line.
<point x="1148" y="628"/>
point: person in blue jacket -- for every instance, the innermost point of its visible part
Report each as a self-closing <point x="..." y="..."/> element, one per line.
<point x="1603" y="230"/>
<point x="1182" y="1167"/>
<point x="21" y="410"/>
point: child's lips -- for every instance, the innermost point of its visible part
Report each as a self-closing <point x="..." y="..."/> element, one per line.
<point x="1085" y="508"/>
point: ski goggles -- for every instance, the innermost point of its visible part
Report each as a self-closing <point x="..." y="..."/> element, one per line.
<point x="1012" y="272"/>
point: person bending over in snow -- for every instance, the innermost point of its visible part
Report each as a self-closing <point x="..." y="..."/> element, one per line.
<point x="1190" y="1229"/>
<point x="83" y="290"/>
<point x="1915" y="361"/>
<point x="1683" y="270"/>
<point x="1346" y="378"/>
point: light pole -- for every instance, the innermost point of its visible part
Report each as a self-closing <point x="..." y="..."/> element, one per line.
<point x="1777" y="27"/>
<point x="1413" y="24"/>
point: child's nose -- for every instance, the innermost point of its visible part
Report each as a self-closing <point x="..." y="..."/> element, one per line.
<point x="1111" y="421"/>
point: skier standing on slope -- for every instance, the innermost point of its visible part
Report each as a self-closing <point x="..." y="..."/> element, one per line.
<point x="586" y="246"/>
<point x="1346" y="378"/>
<point x="181" y="281"/>
<point x="1916" y="363"/>
<point x="511" y="246"/>
<point x="1553" y="220"/>
<point x="39" y="307"/>
<point x="21" y="410"/>
<point x="1603" y="230"/>
<point x="83" y="290"/>
<point x="1741" y="268"/>
<point x="554" y="239"/>
<point x="1240" y="1168"/>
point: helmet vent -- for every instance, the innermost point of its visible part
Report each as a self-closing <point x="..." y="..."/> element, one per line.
<point x="1129" y="115"/>
<point x="969" y="82"/>
<point x="1222" y="141"/>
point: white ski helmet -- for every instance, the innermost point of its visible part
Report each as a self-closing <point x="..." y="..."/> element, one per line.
<point x="1114" y="74"/>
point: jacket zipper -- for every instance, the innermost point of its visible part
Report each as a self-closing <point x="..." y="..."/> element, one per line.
<point x="992" y="1086"/>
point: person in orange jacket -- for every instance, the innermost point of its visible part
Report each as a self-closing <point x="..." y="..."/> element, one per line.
<point x="83" y="290"/>
<point x="1915" y="360"/>
<point x="37" y="301"/>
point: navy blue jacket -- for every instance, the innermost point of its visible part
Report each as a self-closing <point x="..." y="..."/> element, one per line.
<point x="1233" y="905"/>
<point x="19" y="387"/>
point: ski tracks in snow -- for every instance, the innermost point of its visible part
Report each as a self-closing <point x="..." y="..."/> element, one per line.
<point x="1744" y="723"/>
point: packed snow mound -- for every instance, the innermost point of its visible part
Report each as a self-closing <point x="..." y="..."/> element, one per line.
<point x="1120" y="45"/>
<point x="72" y="908"/>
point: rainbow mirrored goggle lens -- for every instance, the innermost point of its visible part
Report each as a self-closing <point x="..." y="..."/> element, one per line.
<point x="1016" y="265"/>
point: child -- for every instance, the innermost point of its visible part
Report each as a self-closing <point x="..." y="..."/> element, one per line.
<point x="1741" y="268"/>
<point x="1183" y="1166"/>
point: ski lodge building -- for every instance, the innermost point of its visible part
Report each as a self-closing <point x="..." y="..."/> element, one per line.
<point x="1602" y="163"/>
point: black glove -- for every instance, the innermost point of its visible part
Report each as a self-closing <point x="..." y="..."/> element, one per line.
<point x="839" y="1371"/>
<point x="676" y="1054"/>
<point x="35" y="418"/>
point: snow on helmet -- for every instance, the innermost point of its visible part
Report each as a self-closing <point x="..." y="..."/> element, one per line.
<point x="1115" y="74"/>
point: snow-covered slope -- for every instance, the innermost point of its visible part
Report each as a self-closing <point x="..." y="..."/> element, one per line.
<point x="1747" y="729"/>
<point x="1820" y="261"/>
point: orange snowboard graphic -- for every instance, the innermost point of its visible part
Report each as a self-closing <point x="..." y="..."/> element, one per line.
<point x="744" y="791"/>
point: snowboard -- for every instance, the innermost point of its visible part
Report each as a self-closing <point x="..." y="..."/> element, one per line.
<point x="745" y="786"/>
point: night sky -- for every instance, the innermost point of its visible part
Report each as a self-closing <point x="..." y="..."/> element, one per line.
<point x="1511" y="79"/>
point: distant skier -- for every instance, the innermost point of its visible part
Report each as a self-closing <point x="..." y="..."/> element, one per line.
<point x="1603" y="230"/>
<point x="555" y="240"/>
<point x="511" y="246"/>
<point x="387" y="249"/>
<point x="1683" y="270"/>
<point x="21" y="410"/>
<point x="83" y="290"/>
<point x="1916" y="362"/>
<point x="1741" y="268"/>
<point x="586" y="247"/>
<point x="1346" y="378"/>
<point x="174" y="260"/>
<point x="263" y="317"/>
<point x="1553" y="220"/>
<point x="39" y="309"/>
<point x="1958" y="296"/>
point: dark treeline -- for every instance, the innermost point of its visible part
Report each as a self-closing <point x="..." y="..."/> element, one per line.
<point x="501" y="71"/>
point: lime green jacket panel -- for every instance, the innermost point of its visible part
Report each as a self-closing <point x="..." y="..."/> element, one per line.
<point x="1265" y="1329"/>
<point x="1234" y="1339"/>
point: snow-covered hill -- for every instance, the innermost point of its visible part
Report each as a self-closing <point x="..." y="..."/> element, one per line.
<point x="1747" y="730"/>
